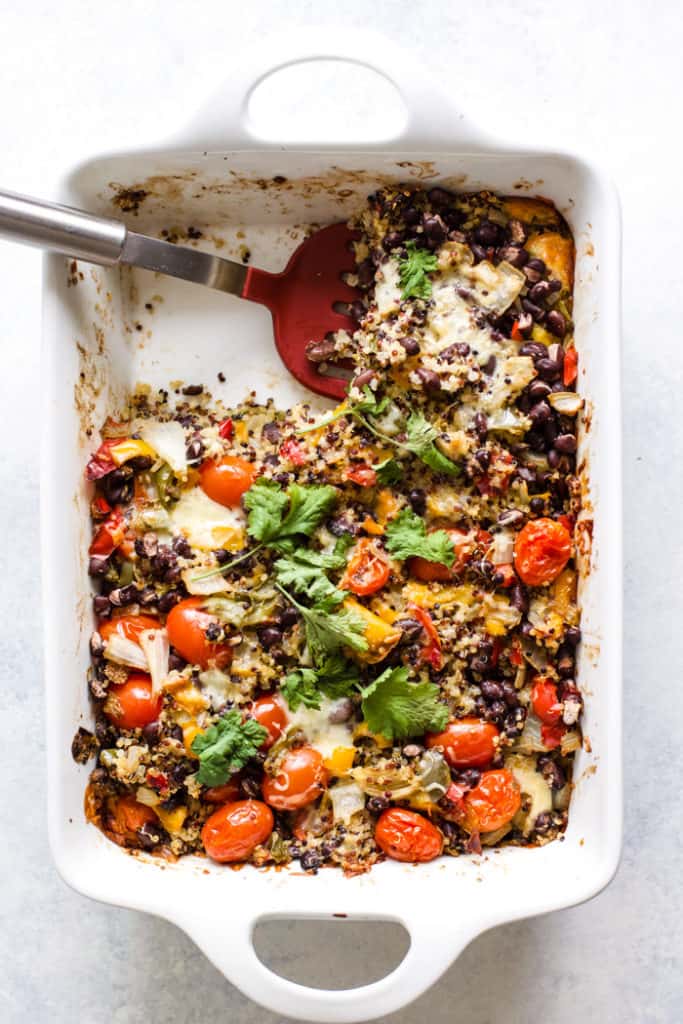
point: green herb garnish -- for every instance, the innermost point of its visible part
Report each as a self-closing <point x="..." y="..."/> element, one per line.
<point x="406" y="536"/>
<point x="413" y="269"/>
<point x="334" y="678"/>
<point x="226" y="747"/>
<point x="397" y="709"/>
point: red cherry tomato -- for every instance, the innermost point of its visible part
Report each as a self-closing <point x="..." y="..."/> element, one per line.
<point x="270" y="713"/>
<point x="109" y="535"/>
<point x="493" y="802"/>
<point x="234" y="831"/>
<point x="102" y="463"/>
<point x="128" y="626"/>
<point x="551" y="735"/>
<point x="226" y="480"/>
<point x="407" y="836"/>
<point x="431" y="651"/>
<point x="545" y="701"/>
<point x="466" y="742"/>
<point x="132" y="704"/>
<point x="362" y="474"/>
<point x="128" y="816"/>
<point x="542" y="550"/>
<point x="225" y="794"/>
<point x="367" y="572"/>
<point x="426" y="571"/>
<point x="293" y="452"/>
<point x="186" y="624"/>
<point x="300" y="780"/>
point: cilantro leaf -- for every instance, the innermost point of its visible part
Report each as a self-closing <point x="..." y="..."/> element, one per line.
<point x="397" y="709"/>
<point x="266" y="503"/>
<point x="406" y="535"/>
<point x="328" y="631"/>
<point x="301" y="687"/>
<point x="420" y="437"/>
<point x="304" y="571"/>
<point x="413" y="269"/>
<point x="369" y="405"/>
<point x="388" y="472"/>
<point x="307" y="508"/>
<point x="226" y="747"/>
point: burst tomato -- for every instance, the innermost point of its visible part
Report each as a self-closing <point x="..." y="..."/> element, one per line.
<point x="367" y="572"/>
<point x="233" y="832"/>
<point x="128" y="626"/>
<point x="187" y="624"/>
<point x="132" y="705"/>
<point x="545" y="701"/>
<point x="226" y="480"/>
<point x="407" y="836"/>
<point x="542" y="550"/>
<point x="551" y="735"/>
<point x="493" y="802"/>
<point x="225" y="794"/>
<point x="362" y="474"/>
<point x="431" y="650"/>
<point x="128" y="817"/>
<point x="270" y="713"/>
<point x="426" y="571"/>
<point x="300" y="780"/>
<point x="466" y="742"/>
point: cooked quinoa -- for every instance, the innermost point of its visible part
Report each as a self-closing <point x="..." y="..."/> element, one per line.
<point x="337" y="637"/>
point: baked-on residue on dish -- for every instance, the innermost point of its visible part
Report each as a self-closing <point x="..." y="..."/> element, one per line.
<point x="337" y="637"/>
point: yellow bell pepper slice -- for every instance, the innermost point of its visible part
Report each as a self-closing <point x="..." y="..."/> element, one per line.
<point x="130" y="448"/>
<point x="340" y="760"/>
<point x="381" y="637"/>
<point x="190" y="731"/>
<point x="172" y="821"/>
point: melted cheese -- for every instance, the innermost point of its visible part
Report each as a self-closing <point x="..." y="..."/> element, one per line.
<point x="388" y="288"/>
<point x="321" y="734"/>
<point x="208" y="525"/>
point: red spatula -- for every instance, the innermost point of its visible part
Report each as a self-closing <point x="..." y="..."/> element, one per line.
<point x="304" y="299"/>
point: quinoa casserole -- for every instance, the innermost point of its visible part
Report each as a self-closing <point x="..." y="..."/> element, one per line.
<point x="337" y="637"/>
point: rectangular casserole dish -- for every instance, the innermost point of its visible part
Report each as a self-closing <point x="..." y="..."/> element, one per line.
<point x="101" y="338"/>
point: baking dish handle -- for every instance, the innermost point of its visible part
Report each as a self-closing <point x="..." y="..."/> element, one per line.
<point x="229" y="945"/>
<point x="433" y="122"/>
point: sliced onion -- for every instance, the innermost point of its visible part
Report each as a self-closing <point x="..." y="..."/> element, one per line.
<point x="347" y="799"/>
<point x="168" y="441"/>
<point x="530" y="740"/>
<point x="571" y="741"/>
<point x="125" y="652"/>
<point x="147" y="796"/>
<point x="568" y="403"/>
<point x="154" y="643"/>
<point x="203" y="588"/>
<point x="503" y="547"/>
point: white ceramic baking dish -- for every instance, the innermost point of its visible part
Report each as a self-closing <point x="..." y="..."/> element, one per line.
<point x="101" y="339"/>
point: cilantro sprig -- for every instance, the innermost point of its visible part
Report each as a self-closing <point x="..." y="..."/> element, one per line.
<point x="226" y="747"/>
<point x="413" y="269"/>
<point x="335" y="677"/>
<point x="328" y="627"/>
<point x="305" y="571"/>
<point x="406" y="536"/>
<point x="397" y="709"/>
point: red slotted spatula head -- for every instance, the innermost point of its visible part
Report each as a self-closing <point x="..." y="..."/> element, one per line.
<point x="302" y="300"/>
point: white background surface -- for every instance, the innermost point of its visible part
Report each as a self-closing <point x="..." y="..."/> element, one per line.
<point x="79" y="78"/>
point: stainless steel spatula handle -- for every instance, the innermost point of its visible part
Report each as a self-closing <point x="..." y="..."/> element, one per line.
<point x="106" y="242"/>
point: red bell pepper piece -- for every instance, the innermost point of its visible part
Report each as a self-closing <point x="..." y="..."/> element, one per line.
<point x="226" y="429"/>
<point x="109" y="535"/>
<point x="431" y="652"/>
<point x="570" y="368"/>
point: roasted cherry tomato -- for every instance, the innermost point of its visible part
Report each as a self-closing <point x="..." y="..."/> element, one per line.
<point x="362" y="474"/>
<point x="493" y="802"/>
<point x="132" y="705"/>
<point x="128" y="816"/>
<point x="293" y="452"/>
<point x="186" y="624"/>
<point x="464" y="545"/>
<point x="552" y="735"/>
<point x="431" y="650"/>
<point x="545" y="701"/>
<point x="300" y="780"/>
<point x="466" y="742"/>
<point x="109" y="535"/>
<point x="405" y="835"/>
<point x="542" y="550"/>
<point x="226" y="480"/>
<point x="270" y="713"/>
<point x="128" y="626"/>
<point x="101" y="463"/>
<point x="367" y="572"/>
<point x="225" y="794"/>
<point x="234" y="831"/>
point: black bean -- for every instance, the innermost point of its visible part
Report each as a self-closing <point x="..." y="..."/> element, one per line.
<point x="513" y="254"/>
<point x="510" y="695"/>
<point x="537" y="312"/>
<point x="195" y="449"/>
<point x="176" y="662"/>
<point x="478" y="252"/>
<point x="540" y="413"/>
<point x="548" y="369"/>
<point x="487" y="234"/>
<point x="491" y="690"/>
<point x="288" y="618"/>
<point x="550" y="432"/>
<point x="518" y="597"/>
<point x="106" y="737"/>
<point x="532" y="274"/>
<point x="572" y="635"/>
<point x="552" y="772"/>
<point x="556" y="323"/>
<point x="540" y="292"/>
<point x="146" y="546"/>
<point x="411" y="346"/>
<point x="565" y="443"/>
<point x="553" y="459"/>
<point x="193" y="389"/>
<point x="469" y="777"/>
<point x="411" y="630"/>
<point x="429" y="380"/>
<point x="539" y="389"/>
<point x="434" y="228"/>
<point x="283" y="479"/>
<point x="147" y="596"/>
<point x="122" y="596"/>
<point x="511" y="517"/>
<point x="341" y="712"/>
<point x="513" y="723"/>
<point x="172" y="575"/>
<point x="496" y="710"/>
<point x="357" y="310"/>
<point x="527" y="473"/>
<point x="544" y="822"/>
<point x="535" y="349"/>
<point x="151" y="733"/>
<point x="536" y="441"/>
<point x="169" y="600"/>
<point x="377" y="804"/>
<point x="251" y="788"/>
<point x="118" y="486"/>
<point x="418" y="501"/>
<point x="182" y="547"/>
<point x="96" y="645"/>
<point x="565" y="665"/>
<point x="483" y="457"/>
<point x="365" y="272"/>
<point x="213" y="632"/>
<point x="269" y="636"/>
<point x="310" y="860"/>
<point x="101" y="605"/>
<point x="411" y="215"/>
<point x="481" y="426"/>
<point x="98" y="565"/>
<point x="363" y="379"/>
<point x="537" y="506"/>
<point x="439" y="196"/>
<point x="341" y="524"/>
<point x="321" y="351"/>
<point x="393" y="239"/>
